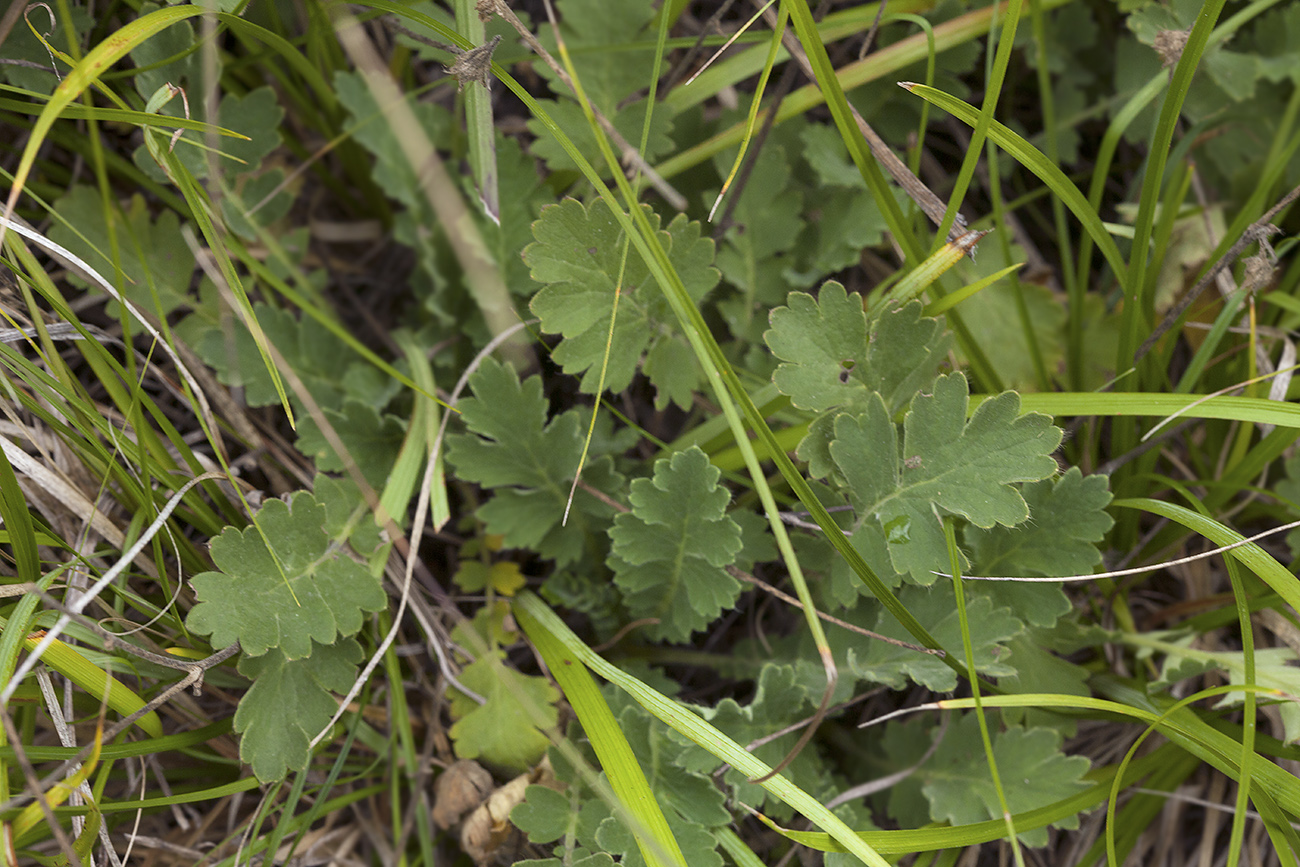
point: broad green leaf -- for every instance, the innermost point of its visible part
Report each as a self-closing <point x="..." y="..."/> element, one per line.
<point x="391" y="168"/>
<point x="155" y="260"/>
<point x="170" y="56"/>
<point x="934" y="607"/>
<point x="1039" y="670"/>
<point x="581" y="858"/>
<point x="1288" y="488"/>
<point x="342" y="499"/>
<point x="699" y="847"/>
<point x="529" y="462"/>
<point x="765" y="218"/>
<point x="995" y="325"/>
<point x="289" y="702"/>
<point x="501" y="732"/>
<point x="779" y="701"/>
<point x="845" y="219"/>
<point x="299" y="591"/>
<point x="595" y="35"/>
<point x="579" y="256"/>
<point x="1067" y="518"/>
<point x="256" y="115"/>
<point x="568" y="116"/>
<point x="1278" y="43"/>
<point x="544" y="814"/>
<point x="70" y="25"/>
<point x="319" y="358"/>
<point x="957" y="781"/>
<point x="372" y="439"/>
<point x="671" y="551"/>
<point x="947" y="465"/>
<point x="954" y="785"/>
<point x="830" y="361"/>
<point x="675" y="783"/>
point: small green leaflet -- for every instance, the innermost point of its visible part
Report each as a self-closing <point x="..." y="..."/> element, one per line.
<point x="504" y="731"/>
<point x="273" y="741"/>
<point x="955" y="786"/>
<point x="671" y="551"/>
<point x="833" y="359"/>
<point x="301" y="590"/>
<point x="579" y="257"/>
<point x="529" y="463"/>
<point x="947" y="465"/>
<point x="1067" y="518"/>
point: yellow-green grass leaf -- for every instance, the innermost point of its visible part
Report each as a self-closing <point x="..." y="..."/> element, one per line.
<point x="536" y="617"/>
<point x="649" y="825"/>
<point x="1033" y="159"/>
<point x="67" y="661"/>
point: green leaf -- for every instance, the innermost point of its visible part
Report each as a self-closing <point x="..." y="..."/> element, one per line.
<point x="252" y="190"/>
<point x="170" y="56"/>
<point x="1067" y="518"/>
<point x="699" y="847"/>
<point x="503" y="577"/>
<point x="544" y="814"/>
<point x="829" y="360"/>
<point x="299" y="591"/>
<point x="1039" y="670"/>
<point x="780" y="700"/>
<point x="372" y="439"/>
<point x="996" y="321"/>
<point x="957" y="782"/>
<point x="690" y="792"/>
<point x="947" y="465"/>
<point x="1277" y="43"/>
<point x="596" y="36"/>
<point x="1288" y="488"/>
<point x="502" y="732"/>
<point x="346" y="513"/>
<point x="155" y="259"/>
<point x="578" y="255"/>
<point x="1276" y="668"/>
<point x="765" y="221"/>
<point x="581" y="858"/>
<point x="256" y="115"/>
<point x="934" y="607"/>
<point x="846" y="218"/>
<point x="569" y="117"/>
<point x="511" y="448"/>
<point x="275" y="742"/>
<point x="70" y="26"/>
<point x="391" y="168"/>
<point x="670" y="552"/>
<point x="319" y="358"/>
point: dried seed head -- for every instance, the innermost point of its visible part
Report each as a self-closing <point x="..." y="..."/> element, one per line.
<point x="1169" y="45"/>
<point x="475" y="64"/>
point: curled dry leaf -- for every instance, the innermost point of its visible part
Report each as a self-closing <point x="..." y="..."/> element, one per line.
<point x="459" y="789"/>
<point x="487" y="835"/>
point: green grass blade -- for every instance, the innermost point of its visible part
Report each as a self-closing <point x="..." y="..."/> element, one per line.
<point x="538" y="618"/>
<point x="1032" y="158"/>
<point x="650" y="827"/>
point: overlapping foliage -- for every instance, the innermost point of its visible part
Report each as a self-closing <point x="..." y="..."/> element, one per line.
<point x="612" y="475"/>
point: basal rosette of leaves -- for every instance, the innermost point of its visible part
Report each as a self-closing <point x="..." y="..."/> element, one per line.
<point x="888" y="435"/>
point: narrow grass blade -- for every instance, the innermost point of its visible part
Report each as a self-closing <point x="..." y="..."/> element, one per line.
<point x="658" y="845"/>
<point x="1031" y="158"/>
<point x="536" y="618"/>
